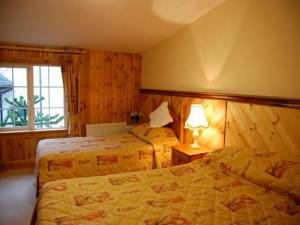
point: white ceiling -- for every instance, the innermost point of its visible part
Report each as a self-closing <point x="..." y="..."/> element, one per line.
<point x="123" y="25"/>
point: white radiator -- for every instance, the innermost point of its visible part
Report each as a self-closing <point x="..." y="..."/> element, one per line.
<point x="106" y="129"/>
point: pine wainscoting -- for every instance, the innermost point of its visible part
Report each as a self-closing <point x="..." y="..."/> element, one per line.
<point x="234" y="120"/>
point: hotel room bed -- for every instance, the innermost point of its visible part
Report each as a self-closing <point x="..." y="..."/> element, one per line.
<point x="144" y="148"/>
<point x="232" y="187"/>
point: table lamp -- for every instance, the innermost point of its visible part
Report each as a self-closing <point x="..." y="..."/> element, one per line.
<point x="195" y="121"/>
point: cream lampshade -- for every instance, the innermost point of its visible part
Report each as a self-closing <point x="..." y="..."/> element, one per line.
<point x="195" y="121"/>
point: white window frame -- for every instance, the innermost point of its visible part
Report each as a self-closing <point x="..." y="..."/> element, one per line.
<point x="30" y="98"/>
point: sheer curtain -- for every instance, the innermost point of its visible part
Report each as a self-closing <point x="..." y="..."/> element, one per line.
<point x="70" y="65"/>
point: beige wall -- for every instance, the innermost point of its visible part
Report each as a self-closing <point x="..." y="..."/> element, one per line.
<point x="243" y="46"/>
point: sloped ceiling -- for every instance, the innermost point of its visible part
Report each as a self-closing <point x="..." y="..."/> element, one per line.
<point x="123" y="25"/>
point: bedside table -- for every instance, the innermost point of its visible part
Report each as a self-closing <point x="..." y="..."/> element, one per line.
<point x="182" y="154"/>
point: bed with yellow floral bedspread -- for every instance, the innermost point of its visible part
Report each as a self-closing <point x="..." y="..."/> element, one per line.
<point x="144" y="148"/>
<point x="202" y="192"/>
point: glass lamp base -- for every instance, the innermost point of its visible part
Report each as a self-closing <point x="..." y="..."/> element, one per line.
<point x="195" y="135"/>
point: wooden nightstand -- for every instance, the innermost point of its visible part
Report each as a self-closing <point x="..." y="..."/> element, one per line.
<point x="182" y="154"/>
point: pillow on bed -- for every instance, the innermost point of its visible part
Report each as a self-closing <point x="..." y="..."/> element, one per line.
<point x="162" y="139"/>
<point x="160" y="116"/>
<point x="275" y="170"/>
<point x="149" y="134"/>
<point x="140" y="129"/>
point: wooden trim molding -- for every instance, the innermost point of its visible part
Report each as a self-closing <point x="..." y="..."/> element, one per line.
<point x="41" y="49"/>
<point x="262" y="100"/>
<point x="17" y="165"/>
<point x="42" y="131"/>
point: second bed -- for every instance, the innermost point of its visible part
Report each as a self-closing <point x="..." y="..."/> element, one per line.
<point x="143" y="148"/>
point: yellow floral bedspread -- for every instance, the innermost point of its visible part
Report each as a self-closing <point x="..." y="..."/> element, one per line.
<point x="93" y="156"/>
<point x="277" y="170"/>
<point x="190" y="194"/>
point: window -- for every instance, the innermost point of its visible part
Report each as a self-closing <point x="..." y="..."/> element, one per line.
<point x="31" y="97"/>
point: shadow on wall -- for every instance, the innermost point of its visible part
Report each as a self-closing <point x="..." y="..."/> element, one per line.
<point x="239" y="47"/>
<point x="209" y="51"/>
<point x="205" y="45"/>
<point x="214" y="43"/>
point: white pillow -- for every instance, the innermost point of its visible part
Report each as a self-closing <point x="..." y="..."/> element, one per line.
<point x="160" y="116"/>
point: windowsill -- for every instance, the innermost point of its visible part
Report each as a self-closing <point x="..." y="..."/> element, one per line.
<point x="4" y="132"/>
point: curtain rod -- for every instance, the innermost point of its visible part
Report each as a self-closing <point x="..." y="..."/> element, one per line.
<point x="42" y="49"/>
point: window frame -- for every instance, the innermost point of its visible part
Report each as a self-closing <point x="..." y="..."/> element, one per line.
<point x="30" y="98"/>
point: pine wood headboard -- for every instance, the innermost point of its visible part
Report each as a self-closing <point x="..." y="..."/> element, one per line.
<point x="251" y="121"/>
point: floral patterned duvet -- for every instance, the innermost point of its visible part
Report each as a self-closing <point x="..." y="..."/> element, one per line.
<point x="93" y="156"/>
<point x="195" y="193"/>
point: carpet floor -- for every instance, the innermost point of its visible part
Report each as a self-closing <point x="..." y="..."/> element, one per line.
<point x="17" y="196"/>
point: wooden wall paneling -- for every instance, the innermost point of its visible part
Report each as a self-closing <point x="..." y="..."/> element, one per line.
<point x="100" y="89"/>
<point x="108" y="86"/>
<point x="137" y="71"/>
<point x="1" y="151"/>
<point x="98" y="85"/>
<point x="18" y="149"/>
<point x="149" y="103"/>
<point x="13" y="150"/>
<point x="145" y="107"/>
<point x="135" y="80"/>
<point x="216" y="113"/>
<point x="123" y="86"/>
<point x="112" y="89"/>
<point x="119" y="95"/>
<point x="263" y="127"/>
<point x="177" y="107"/>
<point x="212" y="137"/>
<point x="276" y="128"/>
<point x="109" y="81"/>
<point x="115" y="87"/>
<point x="129" y="89"/>
<point x="91" y="90"/>
<point x="94" y="84"/>
<point x="126" y="87"/>
<point x="157" y="100"/>
<point x="20" y="56"/>
<point x="31" y="144"/>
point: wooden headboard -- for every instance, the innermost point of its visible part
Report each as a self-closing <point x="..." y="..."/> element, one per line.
<point x="148" y="103"/>
<point x="251" y="121"/>
<point x="212" y="137"/>
<point x="263" y="127"/>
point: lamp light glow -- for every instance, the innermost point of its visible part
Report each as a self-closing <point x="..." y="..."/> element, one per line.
<point x="195" y="121"/>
